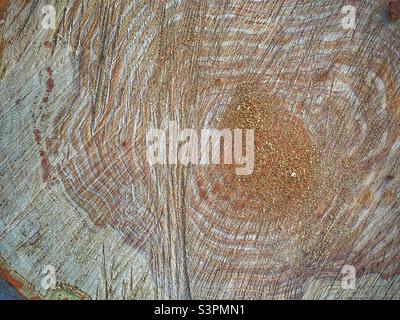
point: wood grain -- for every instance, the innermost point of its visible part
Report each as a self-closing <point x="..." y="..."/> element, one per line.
<point x="77" y="191"/>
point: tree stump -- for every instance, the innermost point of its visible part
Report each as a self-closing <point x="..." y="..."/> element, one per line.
<point x="83" y="82"/>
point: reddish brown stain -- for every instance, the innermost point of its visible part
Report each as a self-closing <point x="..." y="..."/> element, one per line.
<point x="48" y="45"/>
<point x="37" y="135"/>
<point x="237" y="205"/>
<point x="50" y="82"/>
<point x="3" y="9"/>
<point x="50" y="85"/>
<point x="3" y="13"/>
<point x="203" y="194"/>
<point x="216" y="189"/>
<point x="199" y="181"/>
<point x="218" y="82"/>
<point x="45" y="99"/>
<point x="394" y="10"/>
<point x="45" y="165"/>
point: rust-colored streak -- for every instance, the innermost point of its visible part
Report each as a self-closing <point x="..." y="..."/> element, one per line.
<point x="37" y="136"/>
<point x="3" y="9"/>
<point x="45" y="165"/>
<point x="3" y="13"/>
<point x="10" y="279"/>
<point x="50" y="85"/>
<point x="22" y="287"/>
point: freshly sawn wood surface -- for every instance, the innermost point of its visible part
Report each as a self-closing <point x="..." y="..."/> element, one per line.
<point x="77" y="193"/>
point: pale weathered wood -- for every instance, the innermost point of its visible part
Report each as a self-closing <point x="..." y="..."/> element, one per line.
<point x="78" y="194"/>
